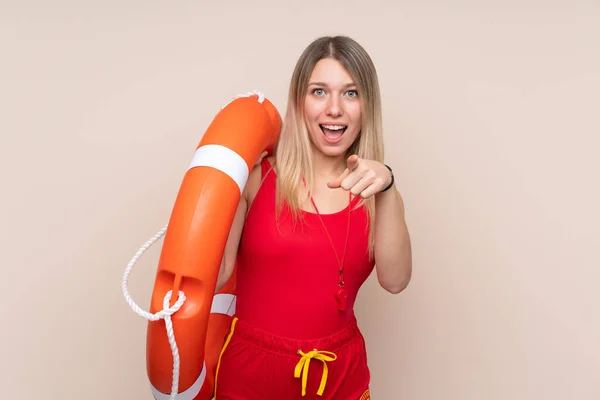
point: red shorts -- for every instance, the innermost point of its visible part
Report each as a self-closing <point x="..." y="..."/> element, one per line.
<point x="256" y="365"/>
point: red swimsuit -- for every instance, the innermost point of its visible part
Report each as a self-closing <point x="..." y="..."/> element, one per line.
<point x="287" y="279"/>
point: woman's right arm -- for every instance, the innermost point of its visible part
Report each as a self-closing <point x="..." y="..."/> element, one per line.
<point x="231" y="247"/>
<point x="235" y="234"/>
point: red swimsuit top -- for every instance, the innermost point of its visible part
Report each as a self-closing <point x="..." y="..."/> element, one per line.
<point x="287" y="272"/>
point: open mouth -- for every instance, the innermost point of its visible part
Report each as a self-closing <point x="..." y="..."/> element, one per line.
<point x="333" y="132"/>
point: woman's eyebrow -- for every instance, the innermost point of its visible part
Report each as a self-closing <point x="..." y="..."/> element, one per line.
<point x="350" y="84"/>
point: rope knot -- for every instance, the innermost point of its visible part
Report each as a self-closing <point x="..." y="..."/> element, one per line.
<point x="165" y="313"/>
<point x="167" y="310"/>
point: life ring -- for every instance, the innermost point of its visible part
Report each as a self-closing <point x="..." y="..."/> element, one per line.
<point x="188" y="322"/>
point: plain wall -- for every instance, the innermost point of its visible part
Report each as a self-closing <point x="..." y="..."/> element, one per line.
<point x="491" y="115"/>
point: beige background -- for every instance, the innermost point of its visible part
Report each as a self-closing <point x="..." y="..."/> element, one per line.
<point x="492" y="123"/>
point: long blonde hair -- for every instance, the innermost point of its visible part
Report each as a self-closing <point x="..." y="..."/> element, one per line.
<point x="293" y="155"/>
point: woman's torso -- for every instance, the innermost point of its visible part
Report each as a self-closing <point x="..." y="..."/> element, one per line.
<point x="287" y="272"/>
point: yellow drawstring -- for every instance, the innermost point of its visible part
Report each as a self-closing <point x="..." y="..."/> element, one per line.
<point x="302" y="367"/>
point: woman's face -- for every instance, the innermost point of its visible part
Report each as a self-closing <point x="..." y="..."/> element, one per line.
<point x="332" y="110"/>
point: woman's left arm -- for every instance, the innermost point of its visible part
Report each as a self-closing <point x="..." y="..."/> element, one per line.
<point x="393" y="254"/>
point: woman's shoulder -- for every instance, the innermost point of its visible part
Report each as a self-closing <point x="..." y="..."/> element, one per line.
<point x="255" y="178"/>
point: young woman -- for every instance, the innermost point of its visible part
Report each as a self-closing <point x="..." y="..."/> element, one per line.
<point x="314" y="221"/>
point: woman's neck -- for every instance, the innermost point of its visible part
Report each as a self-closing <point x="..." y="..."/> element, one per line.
<point x="326" y="167"/>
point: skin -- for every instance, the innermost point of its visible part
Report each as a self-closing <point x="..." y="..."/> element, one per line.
<point x="332" y="99"/>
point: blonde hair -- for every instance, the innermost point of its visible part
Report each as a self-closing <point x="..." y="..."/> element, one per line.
<point x="293" y="155"/>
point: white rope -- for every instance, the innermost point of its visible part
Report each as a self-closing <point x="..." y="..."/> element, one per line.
<point x="261" y="97"/>
<point x="167" y="311"/>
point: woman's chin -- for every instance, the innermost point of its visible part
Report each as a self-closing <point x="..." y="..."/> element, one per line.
<point x="331" y="151"/>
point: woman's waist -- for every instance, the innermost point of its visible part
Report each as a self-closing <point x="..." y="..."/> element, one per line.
<point x="293" y="334"/>
<point x="298" y="317"/>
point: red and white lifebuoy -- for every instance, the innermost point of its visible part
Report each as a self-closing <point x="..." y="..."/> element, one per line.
<point x="188" y="322"/>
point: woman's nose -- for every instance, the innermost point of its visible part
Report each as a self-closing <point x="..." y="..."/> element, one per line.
<point x="334" y="108"/>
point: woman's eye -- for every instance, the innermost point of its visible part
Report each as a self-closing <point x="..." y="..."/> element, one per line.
<point x="318" y="92"/>
<point x="352" y="93"/>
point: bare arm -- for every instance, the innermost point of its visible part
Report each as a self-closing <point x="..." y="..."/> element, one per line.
<point x="231" y="247"/>
<point x="393" y="253"/>
<point x="237" y="227"/>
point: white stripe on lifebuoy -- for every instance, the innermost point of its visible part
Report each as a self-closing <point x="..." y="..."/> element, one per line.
<point x="223" y="159"/>
<point x="223" y="303"/>
<point x="188" y="394"/>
